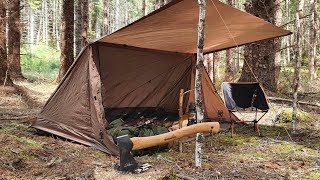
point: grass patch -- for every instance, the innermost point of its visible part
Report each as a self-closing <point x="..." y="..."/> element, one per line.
<point x="29" y="142"/>
<point x="99" y="154"/>
<point x="286" y="148"/>
<point x="13" y="128"/>
<point x="314" y="175"/>
<point x="251" y="156"/>
<point x="238" y="139"/>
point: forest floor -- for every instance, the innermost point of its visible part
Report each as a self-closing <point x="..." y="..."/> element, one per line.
<point x="26" y="153"/>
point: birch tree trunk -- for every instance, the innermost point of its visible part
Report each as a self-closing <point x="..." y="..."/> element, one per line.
<point x="198" y="79"/>
<point x="312" y="39"/>
<point x="297" y="67"/>
<point x="14" y="39"/>
<point x="105" y="16"/>
<point x="4" y="76"/>
<point x="67" y="40"/>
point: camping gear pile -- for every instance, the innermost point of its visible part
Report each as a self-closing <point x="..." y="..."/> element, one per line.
<point x="144" y="128"/>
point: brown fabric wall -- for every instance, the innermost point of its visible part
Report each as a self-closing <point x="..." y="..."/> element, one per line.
<point x="134" y="77"/>
<point x="213" y="104"/>
<point x="68" y="111"/>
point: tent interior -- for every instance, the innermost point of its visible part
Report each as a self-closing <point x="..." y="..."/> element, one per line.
<point x="133" y="77"/>
<point x="135" y="81"/>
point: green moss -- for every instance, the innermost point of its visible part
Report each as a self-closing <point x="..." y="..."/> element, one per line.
<point x="238" y="139"/>
<point x="286" y="148"/>
<point x="99" y="154"/>
<point x="314" y="175"/>
<point x="286" y="116"/>
<point x="13" y="128"/>
<point x="29" y="142"/>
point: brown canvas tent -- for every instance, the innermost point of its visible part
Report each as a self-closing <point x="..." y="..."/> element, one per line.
<point x="145" y="65"/>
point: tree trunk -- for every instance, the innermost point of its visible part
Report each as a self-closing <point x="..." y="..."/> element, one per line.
<point x="216" y="64"/>
<point x="4" y="76"/>
<point x="78" y="26"/>
<point x="261" y="59"/>
<point x="198" y="79"/>
<point x="159" y="4"/>
<point x="277" y="20"/>
<point x="297" y="67"/>
<point x="312" y="40"/>
<point x="117" y="15"/>
<point x="66" y="58"/>
<point x="209" y="65"/>
<point x="230" y="66"/>
<point x="81" y="25"/>
<point x="144" y="8"/>
<point x="105" y="16"/>
<point x="85" y="23"/>
<point x="14" y="39"/>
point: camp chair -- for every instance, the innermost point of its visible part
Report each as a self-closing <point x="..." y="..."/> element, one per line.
<point x="244" y="96"/>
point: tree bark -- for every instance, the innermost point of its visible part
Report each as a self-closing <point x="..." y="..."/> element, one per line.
<point x="297" y="67"/>
<point x="198" y="80"/>
<point x="117" y="15"/>
<point x="144" y="8"/>
<point x="262" y="61"/>
<point x="230" y="65"/>
<point x="81" y="25"/>
<point x="312" y="39"/>
<point x="14" y="39"/>
<point x="105" y="16"/>
<point x="209" y="65"/>
<point x="4" y="76"/>
<point x="66" y="58"/>
<point x="159" y="4"/>
<point x="216" y="67"/>
<point x="230" y="68"/>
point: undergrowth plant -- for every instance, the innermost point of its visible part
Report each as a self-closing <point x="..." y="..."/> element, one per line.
<point x="39" y="63"/>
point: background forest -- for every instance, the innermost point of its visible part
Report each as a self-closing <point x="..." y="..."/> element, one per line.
<point x="36" y="38"/>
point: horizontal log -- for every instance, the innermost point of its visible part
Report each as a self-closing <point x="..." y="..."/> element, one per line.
<point x="289" y="100"/>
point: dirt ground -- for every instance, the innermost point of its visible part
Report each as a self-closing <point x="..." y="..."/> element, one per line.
<point x="26" y="153"/>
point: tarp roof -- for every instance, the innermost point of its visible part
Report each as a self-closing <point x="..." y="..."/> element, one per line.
<point x="174" y="28"/>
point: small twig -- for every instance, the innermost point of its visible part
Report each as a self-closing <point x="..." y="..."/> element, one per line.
<point x="165" y="159"/>
<point x="5" y="79"/>
<point x="278" y="136"/>
<point x="288" y="133"/>
<point x="184" y="177"/>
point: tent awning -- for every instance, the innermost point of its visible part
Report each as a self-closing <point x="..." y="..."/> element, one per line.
<point x="174" y="28"/>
